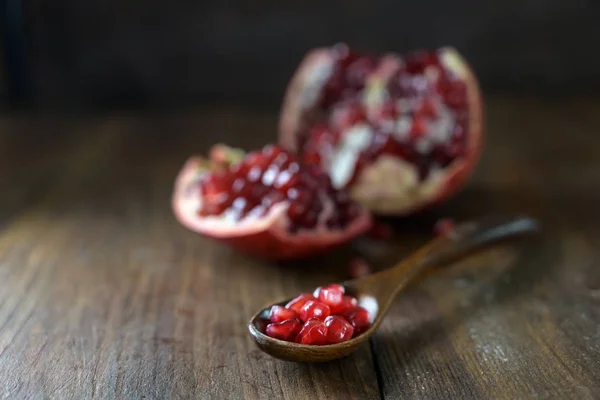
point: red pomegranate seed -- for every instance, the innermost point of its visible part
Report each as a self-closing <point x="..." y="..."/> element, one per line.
<point x="427" y="110"/>
<point x="418" y="129"/>
<point x="314" y="309"/>
<point x="347" y="304"/>
<point x="332" y="295"/>
<point x="359" y="318"/>
<point x="388" y="110"/>
<point x="359" y="268"/>
<point x="296" y="303"/>
<point x="279" y="314"/>
<point x="338" y="329"/>
<point x="443" y="227"/>
<point x="314" y="332"/>
<point x="286" y="330"/>
<point x="347" y="116"/>
<point x="380" y="230"/>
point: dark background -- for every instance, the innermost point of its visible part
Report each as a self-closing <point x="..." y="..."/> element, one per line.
<point x="140" y="53"/>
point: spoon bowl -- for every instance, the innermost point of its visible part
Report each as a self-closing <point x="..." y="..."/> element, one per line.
<point x="377" y="292"/>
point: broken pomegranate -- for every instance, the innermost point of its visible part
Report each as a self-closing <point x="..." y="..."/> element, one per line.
<point x="267" y="203"/>
<point x="400" y="133"/>
<point x="325" y="317"/>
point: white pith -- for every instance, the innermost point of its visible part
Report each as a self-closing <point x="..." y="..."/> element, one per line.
<point x="314" y="81"/>
<point x="187" y="201"/>
<point x="356" y="139"/>
<point x="391" y="185"/>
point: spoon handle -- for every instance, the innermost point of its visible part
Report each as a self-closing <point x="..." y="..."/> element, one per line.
<point x="465" y="238"/>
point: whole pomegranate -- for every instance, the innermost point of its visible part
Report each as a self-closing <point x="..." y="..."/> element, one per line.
<point x="266" y="203"/>
<point x="399" y="133"/>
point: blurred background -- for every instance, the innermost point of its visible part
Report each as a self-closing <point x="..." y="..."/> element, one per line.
<point x="94" y="54"/>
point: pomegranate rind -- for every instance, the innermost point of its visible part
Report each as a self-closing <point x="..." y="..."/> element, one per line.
<point x="380" y="197"/>
<point x="460" y="170"/>
<point x="267" y="237"/>
<point x="302" y="82"/>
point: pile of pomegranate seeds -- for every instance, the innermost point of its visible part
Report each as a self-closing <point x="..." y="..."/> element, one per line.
<point x="271" y="176"/>
<point x="326" y="316"/>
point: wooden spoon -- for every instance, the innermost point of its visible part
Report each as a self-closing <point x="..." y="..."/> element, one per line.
<point x="377" y="292"/>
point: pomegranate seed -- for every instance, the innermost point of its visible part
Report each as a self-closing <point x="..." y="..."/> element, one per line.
<point x="314" y="332"/>
<point x="427" y="110"/>
<point x="444" y="227"/>
<point x="347" y="116"/>
<point x="358" y="71"/>
<point x="388" y="110"/>
<point x="314" y="309"/>
<point x="418" y="129"/>
<point x="348" y="303"/>
<point x="359" y="268"/>
<point x="296" y="303"/>
<point x="338" y="329"/>
<point x="279" y="314"/>
<point x="286" y="330"/>
<point x="332" y="294"/>
<point x="359" y="318"/>
<point x="380" y="230"/>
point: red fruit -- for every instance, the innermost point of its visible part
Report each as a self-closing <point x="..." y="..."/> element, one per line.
<point x="267" y="204"/>
<point x="332" y="294"/>
<point x="297" y="302"/>
<point x="314" y="332"/>
<point x="443" y="227"/>
<point x="279" y="314"/>
<point x="286" y="330"/>
<point x="314" y="309"/>
<point x="359" y="268"/>
<point x="358" y="318"/>
<point x="348" y="303"/>
<point x="423" y="132"/>
<point x="338" y="329"/>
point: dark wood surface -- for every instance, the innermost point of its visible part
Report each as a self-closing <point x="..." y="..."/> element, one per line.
<point x="104" y="295"/>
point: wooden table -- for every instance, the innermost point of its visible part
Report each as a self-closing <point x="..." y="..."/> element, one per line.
<point x="104" y="295"/>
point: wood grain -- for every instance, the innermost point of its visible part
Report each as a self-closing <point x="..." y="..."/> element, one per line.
<point x="104" y="295"/>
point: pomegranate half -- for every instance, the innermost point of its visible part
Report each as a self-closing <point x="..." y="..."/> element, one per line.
<point x="266" y="204"/>
<point x="399" y="133"/>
